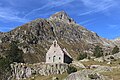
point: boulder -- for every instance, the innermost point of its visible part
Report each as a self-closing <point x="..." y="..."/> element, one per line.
<point x="94" y="66"/>
<point x="109" y="62"/>
<point x="99" y="59"/>
<point x="117" y="55"/>
<point x="84" y="60"/>
<point x="78" y="64"/>
<point x="103" y="69"/>
<point x="86" y="75"/>
<point x="109" y="58"/>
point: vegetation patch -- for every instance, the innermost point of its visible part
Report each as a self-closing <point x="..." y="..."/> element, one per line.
<point x="115" y="50"/>
<point x="98" y="52"/>
<point x="82" y="56"/>
<point x="114" y="74"/>
<point x="50" y="77"/>
<point x="14" y="54"/>
<point x="71" y="69"/>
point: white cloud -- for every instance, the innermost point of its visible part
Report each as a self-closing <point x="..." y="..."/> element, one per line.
<point x="10" y="14"/>
<point x="94" y="6"/>
<point x="84" y="22"/>
<point x="113" y="26"/>
<point x="49" y="5"/>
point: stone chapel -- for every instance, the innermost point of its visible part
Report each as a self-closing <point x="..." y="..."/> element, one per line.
<point x="57" y="55"/>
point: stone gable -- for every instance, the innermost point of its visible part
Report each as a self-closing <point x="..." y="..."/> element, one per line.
<point x="57" y="55"/>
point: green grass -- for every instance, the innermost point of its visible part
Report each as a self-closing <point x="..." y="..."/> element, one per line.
<point x="59" y="76"/>
<point x="91" y="62"/>
<point x="114" y="74"/>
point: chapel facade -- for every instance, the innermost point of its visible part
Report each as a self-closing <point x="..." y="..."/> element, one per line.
<point x="57" y="55"/>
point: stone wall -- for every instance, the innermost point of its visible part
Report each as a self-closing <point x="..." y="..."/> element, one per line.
<point x="23" y="71"/>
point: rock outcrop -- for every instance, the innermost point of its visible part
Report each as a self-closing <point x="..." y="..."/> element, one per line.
<point x="86" y="75"/>
<point x="62" y="16"/>
<point x="103" y="69"/>
<point x="23" y="71"/>
<point x="78" y="64"/>
<point x="108" y="58"/>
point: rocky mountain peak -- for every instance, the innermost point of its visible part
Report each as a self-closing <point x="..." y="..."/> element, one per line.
<point x="63" y="16"/>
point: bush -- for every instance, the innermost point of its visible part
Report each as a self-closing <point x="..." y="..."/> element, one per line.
<point x="98" y="52"/>
<point x="71" y="69"/>
<point x="14" y="54"/>
<point x="4" y="68"/>
<point x="82" y="56"/>
<point x="115" y="50"/>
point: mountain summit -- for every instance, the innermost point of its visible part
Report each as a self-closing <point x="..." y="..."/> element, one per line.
<point x="62" y="15"/>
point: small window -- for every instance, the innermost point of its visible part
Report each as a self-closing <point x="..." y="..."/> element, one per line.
<point x="53" y="58"/>
<point x="49" y="57"/>
<point x="54" y="44"/>
<point x="59" y="58"/>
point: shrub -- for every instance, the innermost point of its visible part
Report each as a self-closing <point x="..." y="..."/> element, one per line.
<point x="98" y="52"/>
<point x="71" y="69"/>
<point x="14" y="54"/>
<point x="82" y="56"/>
<point x="115" y="50"/>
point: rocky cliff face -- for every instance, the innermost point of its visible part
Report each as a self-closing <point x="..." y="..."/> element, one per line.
<point x="35" y="37"/>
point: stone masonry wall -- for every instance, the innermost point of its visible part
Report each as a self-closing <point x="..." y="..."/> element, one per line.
<point x="23" y="71"/>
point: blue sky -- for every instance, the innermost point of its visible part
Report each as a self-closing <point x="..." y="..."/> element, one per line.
<point x="100" y="16"/>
